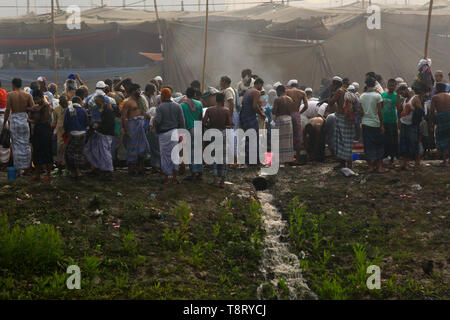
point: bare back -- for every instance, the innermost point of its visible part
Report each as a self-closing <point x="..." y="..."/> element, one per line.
<point x="441" y="102"/>
<point x="297" y="96"/>
<point x="19" y="101"/>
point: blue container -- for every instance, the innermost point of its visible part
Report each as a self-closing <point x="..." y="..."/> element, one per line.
<point x="12" y="173"/>
<point x="355" y="156"/>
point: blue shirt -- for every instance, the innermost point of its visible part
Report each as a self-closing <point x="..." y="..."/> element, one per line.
<point x="95" y="113"/>
<point x="433" y="92"/>
<point x="79" y="122"/>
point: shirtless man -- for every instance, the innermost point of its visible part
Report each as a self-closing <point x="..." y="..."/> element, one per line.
<point x="219" y="117"/>
<point x="314" y="139"/>
<point x="18" y="104"/>
<point x="440" y="115"/>
<point x="299" y="97"/>
<point x="133" y="113"/>
<point x="344" y="128"/>
<point x="282" y="107"/>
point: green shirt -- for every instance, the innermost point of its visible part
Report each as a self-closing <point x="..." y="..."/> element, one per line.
<point x="389" y="110"/>
<point x="190" y="116"/>
<point x="369" y="101"/>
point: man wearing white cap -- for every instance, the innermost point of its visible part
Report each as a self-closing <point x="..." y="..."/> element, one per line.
<point x="298" y="96"/>
<point x="313" y="108"/>
<point x="99" y="90"/>
<point x="159" y="80"/>
<point x="42" y="83"/>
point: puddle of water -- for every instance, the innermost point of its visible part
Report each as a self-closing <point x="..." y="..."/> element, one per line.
<point x="277" y="260"/>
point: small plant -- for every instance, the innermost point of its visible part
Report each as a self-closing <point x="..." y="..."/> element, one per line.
<point x="90" y="265"/>
<point x="129" y="244"/>
<point x="36" y="248"/>
<point x="283" y="288"/>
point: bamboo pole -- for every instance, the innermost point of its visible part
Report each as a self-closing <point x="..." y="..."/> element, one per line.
<point x="206" y="46"/>
<point x="160" y="37"/>
<point x="54" y="45"/>
<point x="425" y="55"/>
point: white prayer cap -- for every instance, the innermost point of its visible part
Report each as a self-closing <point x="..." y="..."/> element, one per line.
<point x="27" y="89"/>
<point x="351" y="87"/>
<point x="356" y="85"/>
<point x="308" y="90"/>
<point x="158" y="78"/>
<point x="42" y="79"/>
<point x="100" y="85"/>
<point x="291" y="82"/>
<point x="99" y="92"/>
<point x="399" y="80"/>
<point x="336" y="78"/>
<point x="276" y="84"/>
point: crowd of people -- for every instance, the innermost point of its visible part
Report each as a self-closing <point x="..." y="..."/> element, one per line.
<point x="77" y="132"/>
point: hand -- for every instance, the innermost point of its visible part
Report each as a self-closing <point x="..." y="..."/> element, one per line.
<point x="382" y="129"/>
<point x="180" y="139"/>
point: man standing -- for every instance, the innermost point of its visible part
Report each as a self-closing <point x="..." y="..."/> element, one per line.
<point x="391" y="104"/>
<point x="17" y="105"/>
<point x="246" y="83"/>
<point x="98" y="148"/>
<point x="440" y="115"/>
<point x="231" y="102"/>
<point x="75" y="125"/>
<point x="42" y="85"/>
<point x="41" y="138"/>
<point x="4" y="152"/>
<point x="58" y="124"/>
<point x="298" y="96"/>
<point x="281" y="110"/>
<point x="251" y="106"/>
<point x="372" y="126"/>
<point x="192" y="111"/>
<point x="133" y="114"/>
<point x="219" y="117"/>
<point x="169" y="117"/>
<point x="344" y="131"/>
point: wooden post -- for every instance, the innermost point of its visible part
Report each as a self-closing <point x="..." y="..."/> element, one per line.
<point x="160" y="38"/>
<point x="205" y="48"/>
<point x="54" y="44"/>
<point x="425" y="55"/>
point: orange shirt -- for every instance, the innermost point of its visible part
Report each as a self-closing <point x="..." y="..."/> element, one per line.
<point x="2" y="99"/>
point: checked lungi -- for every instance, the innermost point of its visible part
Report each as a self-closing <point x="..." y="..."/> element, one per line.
<point x="137" y="143"/>
<point x="344" y="137"/>
<point x="20" y="138"/>
<point x="443" y="130"/>
<point x="286" y="142"/>
<point x="74" y="153"/>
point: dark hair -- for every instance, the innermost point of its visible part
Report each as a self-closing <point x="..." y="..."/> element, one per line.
<point x="198" y="93"/>
<point x="254" y="76"/>
<point x="79" y="93"/>
<point x="337" y="83"/>
<point x="418" y="87"/>
<point x="246" y="72"/>
<point x="17" y="83"/>
<point x="370" y="74"/>
<point x="226" y="79"/>
<point x="167" y="86"/>
<point x="150" y="87"/>
<point x="259" y="81"/>
<point x="220" y="97"/>
<point x="346" y="81"/>
<point x="402" y="87"/>
<point x="76" y="99"/>
<point x="370" y="82"/>
<point x="190" y="92"/>
<point x="37" y="93"/>
<point x="0" y="83"/>
<point x="134" y="87"/>
<point x="108" y="82"/>
<point x="378" y="77"/>
<point x="281" y="89"/>
<point x="393" y="81"/>
<point x="441" y="87"/>
<point x="195" y="84"/>
<point x="99" y="97"/>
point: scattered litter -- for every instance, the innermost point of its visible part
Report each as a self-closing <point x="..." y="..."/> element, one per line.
<point x="413" y="220"/>
<point x="29" y="196"/>
<point x="228" y="182"/>
<point x="363" y="180"/>
<point x="403" y="230"/>
<point x="403" y="196"/>
<point x="18" y="199"/>
<point x="340" y="213"/>
<point x="303" y="254"/>
<point x="98" y="212"/>
<point x="153" y="195"/>
<point x="429" y="212"/>
<point x="119" y="194"/>
<point x="76" y="197"/>
<point x="348" y="172"/>
<point x="191" y="214"/>
<point x="69" y="222"/>
<point x="416" y="187"/>
<point x="58" y="197"/>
